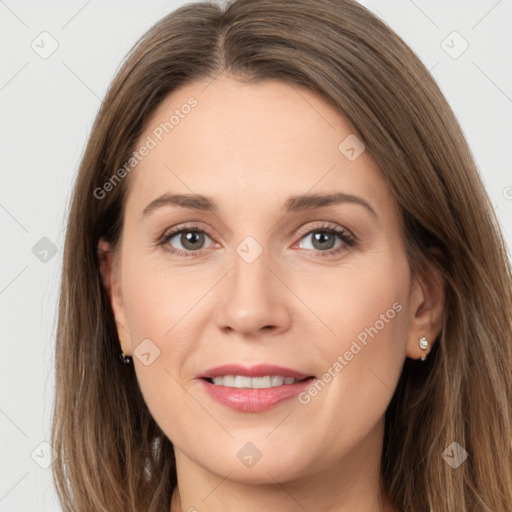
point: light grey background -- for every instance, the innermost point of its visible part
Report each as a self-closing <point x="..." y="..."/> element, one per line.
<point x="46" y="110"/>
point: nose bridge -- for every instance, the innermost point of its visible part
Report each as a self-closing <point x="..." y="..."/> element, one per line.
<point x="250" y="270"/>
<point x="250" y="260"/>
<point x="250" y="276"/>
<point x="252" y="297"/>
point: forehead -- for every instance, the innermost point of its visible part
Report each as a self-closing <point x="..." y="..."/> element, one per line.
<point x="268" y="140"/>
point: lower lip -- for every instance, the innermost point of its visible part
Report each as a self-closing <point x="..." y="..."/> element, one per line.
<point x="254" y="400"/>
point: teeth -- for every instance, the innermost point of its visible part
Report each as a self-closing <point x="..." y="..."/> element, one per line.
<point x="241" y="381"/>
<point x="229" y="380"/>
<point x="277" y="381"/>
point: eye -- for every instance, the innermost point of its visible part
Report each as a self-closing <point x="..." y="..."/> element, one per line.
<point x="185" y="240"/>
<point x="327" y="240"/>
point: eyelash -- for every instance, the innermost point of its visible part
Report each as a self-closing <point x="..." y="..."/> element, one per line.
<point x="346" y="237"/>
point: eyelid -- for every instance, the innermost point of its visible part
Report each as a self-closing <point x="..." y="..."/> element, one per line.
<point x="162" y="240"/>
<point x="348" y="239"/>
<point x="346" y="236"/>
<point x="323" y="225"/>
<point x="190" y="226"/>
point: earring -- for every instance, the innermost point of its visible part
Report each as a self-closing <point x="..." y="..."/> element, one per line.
<point x="423" y="345"/>
<point x="126" y="359"/>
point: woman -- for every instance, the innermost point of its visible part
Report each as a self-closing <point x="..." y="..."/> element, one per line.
<point x="284" y="286"/>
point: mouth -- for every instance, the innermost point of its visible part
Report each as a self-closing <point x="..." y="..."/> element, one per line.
<point x="244" y="382"/>
<point x="255" y="389"/>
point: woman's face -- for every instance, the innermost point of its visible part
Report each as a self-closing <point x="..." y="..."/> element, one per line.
<point x="258" y="231"/>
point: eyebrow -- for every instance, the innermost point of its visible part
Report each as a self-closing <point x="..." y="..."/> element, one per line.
<point x="191" y="201"/>
<point x="306" y="202"/>
<point x="292" y="204"/>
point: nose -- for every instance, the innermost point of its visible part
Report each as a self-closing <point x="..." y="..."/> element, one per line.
<point x="254" y="301"/>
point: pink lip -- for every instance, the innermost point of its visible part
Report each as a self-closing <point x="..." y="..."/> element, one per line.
<point x="260" y="370"/>
<point x="253" y="400"/>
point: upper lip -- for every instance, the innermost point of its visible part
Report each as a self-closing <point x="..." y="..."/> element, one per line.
<point x="260" y="370"/>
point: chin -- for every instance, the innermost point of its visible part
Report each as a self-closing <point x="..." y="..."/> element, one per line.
<point x="250" y="465"/>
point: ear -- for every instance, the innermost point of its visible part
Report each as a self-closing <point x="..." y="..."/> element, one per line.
<point x="110" y="273"/>
<point x="427" y="313"/>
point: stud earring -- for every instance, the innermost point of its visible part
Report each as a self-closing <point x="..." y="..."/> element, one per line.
<point x="126" y="359"/>
<point x="423" y="345"/>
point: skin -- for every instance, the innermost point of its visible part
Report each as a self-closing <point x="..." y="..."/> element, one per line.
<point x="249" y="147"/>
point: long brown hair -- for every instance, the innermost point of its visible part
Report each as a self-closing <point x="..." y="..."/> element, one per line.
<point x="112" y="455"/>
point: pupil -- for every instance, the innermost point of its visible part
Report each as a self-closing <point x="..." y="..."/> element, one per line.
<point x="322" y="238"/>
<point x="190" y="239"/>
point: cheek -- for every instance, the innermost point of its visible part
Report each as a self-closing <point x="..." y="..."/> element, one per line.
<point x="161" y="301"/>
<point x="164" y="310"/>
<point x="367" y="308"/>
<point x="366" y="302"/>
